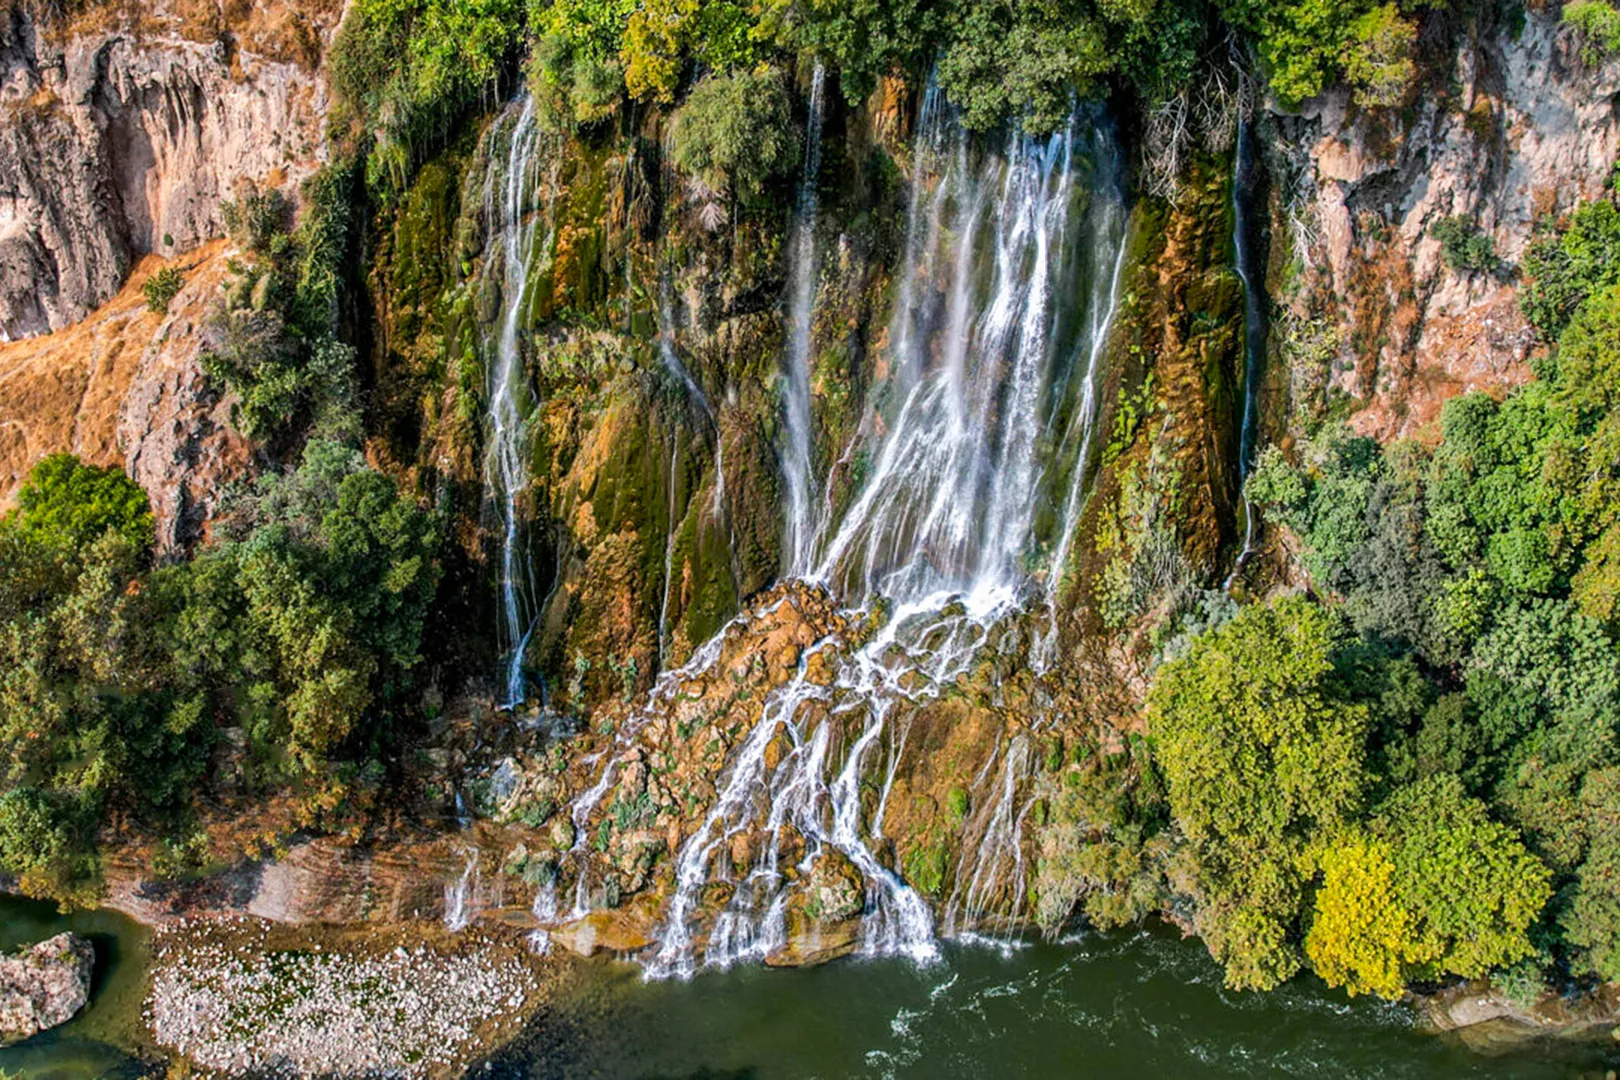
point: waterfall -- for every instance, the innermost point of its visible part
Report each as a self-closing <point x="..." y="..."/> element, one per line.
<point x="982" y="340"/>
<point x="958" y="478"/>
<point x="796" y="455"/>
<point x="1254" y="323"/>
<point x="506" y="465"/>
<point x="980" y="432"/>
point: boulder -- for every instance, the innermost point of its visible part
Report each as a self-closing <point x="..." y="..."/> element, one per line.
<point x="43" y="986"/>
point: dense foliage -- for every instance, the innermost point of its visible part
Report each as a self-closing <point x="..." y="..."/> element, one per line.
<point x="1476" y="581"/>
<point x="116" y="679"/>
<point x="273" y="339"/>
<point x="409" y="69"/>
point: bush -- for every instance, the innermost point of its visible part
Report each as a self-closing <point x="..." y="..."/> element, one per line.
<point x="1378" y="57"/>
<point x="409" y="69"/>
<point x="736" y="132"/>
<point x="70" y="504"/>
<point x="160" y="288"/>
<point x="1465" y="248"/>
<point x="1564" y="266"/>
<point x="1598" y="23"/>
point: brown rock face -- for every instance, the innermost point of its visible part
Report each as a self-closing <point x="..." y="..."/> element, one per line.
<point x="113" y="146"/>
<point x="44" y="986"/>
<point x="126" y="387"/>
<point x="1523" y="129"/>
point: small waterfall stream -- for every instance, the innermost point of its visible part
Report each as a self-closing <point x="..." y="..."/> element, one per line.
<point x="797" y="455"/>
<point x="1254" y="321"/>
<point x="506" y="466"/>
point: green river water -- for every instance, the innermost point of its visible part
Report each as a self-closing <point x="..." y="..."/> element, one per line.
<point x="1143" y="1004"/>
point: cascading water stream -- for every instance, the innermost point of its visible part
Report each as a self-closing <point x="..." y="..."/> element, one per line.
<point x="461" y="898"/>
<point x="988" y="342"/>
<point x="506" y="465"/>
<point x="1254" y="323"/>
<point x="797" y="455"/>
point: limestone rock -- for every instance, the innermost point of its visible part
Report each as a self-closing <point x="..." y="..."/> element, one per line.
<point x="116" y="146"/>
<point x="126" y="387"/>
<point x="1530" y="131"/>
<point x="44" y="985"/>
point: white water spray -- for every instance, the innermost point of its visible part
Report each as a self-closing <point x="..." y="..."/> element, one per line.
<point x="506" y="464"/>
<point x="797" y="455"/>
<point x="461" y="897"/>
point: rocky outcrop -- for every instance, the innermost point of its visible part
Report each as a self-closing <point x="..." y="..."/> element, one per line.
<point x="126" y="387"/>
<point x="44" y="985"/>
<point x="114" y="145"/>
<point x="1515" y="128"/>
<point x="1486" y="1019"/>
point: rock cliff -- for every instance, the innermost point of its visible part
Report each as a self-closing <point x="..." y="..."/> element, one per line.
<point x="123" y="140"/>
<point x="1511" y="126"/>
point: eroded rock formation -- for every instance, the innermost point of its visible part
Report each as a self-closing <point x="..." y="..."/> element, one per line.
<point x="44" y="986"/>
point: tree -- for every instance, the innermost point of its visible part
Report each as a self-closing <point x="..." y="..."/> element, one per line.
<point x="1469" y="885"/>
<point x="1432" y="888"/>
<point x="1563" y="266"/>
<point x="1592" y="923"/>
<point x="1360" y="936"/>
<point x="1378" y="56"/>
<point x="1261" y="760"/>
<point x="67" y="503"/>
<point x="736" y="132"/>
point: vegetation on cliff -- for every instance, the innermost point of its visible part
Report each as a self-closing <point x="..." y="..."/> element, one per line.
<point x="1463" y="654"/>
<point x="295" y="638"/>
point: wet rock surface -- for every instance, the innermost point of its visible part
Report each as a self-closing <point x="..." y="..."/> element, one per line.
<point x="44" y="986"/>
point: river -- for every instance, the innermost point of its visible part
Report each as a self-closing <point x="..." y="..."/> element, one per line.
<point x="1144" y="1003"/>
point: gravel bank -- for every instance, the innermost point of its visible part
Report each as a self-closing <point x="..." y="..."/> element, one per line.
<point x="250" y="998"/>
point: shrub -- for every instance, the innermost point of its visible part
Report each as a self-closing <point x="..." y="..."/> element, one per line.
<point x="1563" y="266"/>
<point x="736" y="132"/>
<point x="1378" y="57"/>
<point x="160" y="288"/>
<point x="1598" y="23"/>
<point x="1465" y="248"/>
<point x="70" y="504"/>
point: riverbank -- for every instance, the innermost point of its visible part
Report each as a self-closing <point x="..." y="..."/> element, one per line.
<point x="233" y="997"/>
<point x="249" y="997"/>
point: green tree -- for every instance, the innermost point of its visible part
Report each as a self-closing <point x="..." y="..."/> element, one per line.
<point x="1432" y="888"/>
<point x="1378" y="56"/>
<point x="67" y="503"/>
<point x="1565" y="265"/>
<point x="736" y="132"/>
<point x="1261" y="760"/>
<point x="1592" y="923"/>
<point x="1440" y="838"/>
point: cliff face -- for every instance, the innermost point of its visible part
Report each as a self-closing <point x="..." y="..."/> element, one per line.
<point x="125" y="387"/>
<point x="1509" y="128"/>
<point x="123" y="141"/>
<point x="651" y="344"/>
